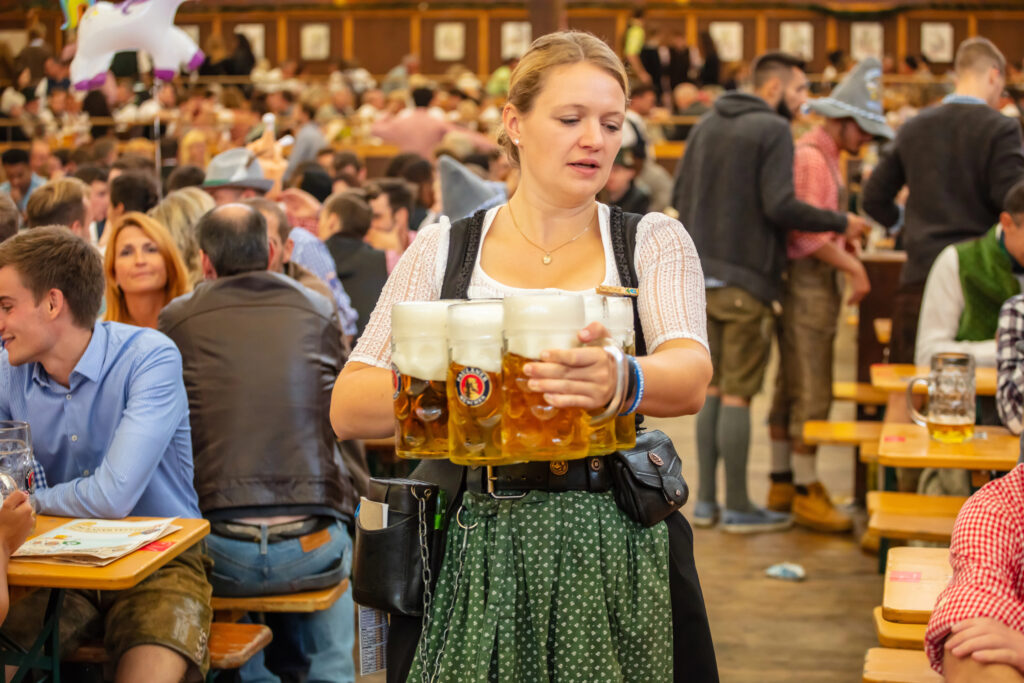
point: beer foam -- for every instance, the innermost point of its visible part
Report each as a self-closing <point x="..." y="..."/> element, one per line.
<point x="594" y="310"/>
<point x="620" y="314"/>
<point x="420" y="319"/>
<point x="476" y="320"/>
<point x="419" y="342"/>
<point x="544" y="312"/>
<point x="486" y="356"/>
<point x="531" y="344"/>
<point x="422" y="358"/>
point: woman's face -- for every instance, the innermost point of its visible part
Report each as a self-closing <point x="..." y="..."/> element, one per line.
<point x="138" y="265"/>
<point x="568" y="141"/>
<point x="197" y="154"/>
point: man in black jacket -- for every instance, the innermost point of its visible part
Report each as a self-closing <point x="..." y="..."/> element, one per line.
<point x="734" y="192"/>
<point x="260" y="355"/>
<point x="959" y="160"/>
<point x="344" y="222"/>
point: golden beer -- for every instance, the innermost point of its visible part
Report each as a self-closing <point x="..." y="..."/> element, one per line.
<point x="601" y="437"/>
<point x="950" y="429"/>
<point x="474" y="383"/>
<point x="532" y="429"/>
<point x="419" y="358"/>
<point x="620" y="326"/>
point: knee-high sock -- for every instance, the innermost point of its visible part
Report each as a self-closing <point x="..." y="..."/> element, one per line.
<point x="734" y="445"/>
<point x="707" y="448"/>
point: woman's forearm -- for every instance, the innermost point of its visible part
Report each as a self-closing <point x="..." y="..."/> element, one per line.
<point x="362" y="406"/>
<point x="676" y="378"/>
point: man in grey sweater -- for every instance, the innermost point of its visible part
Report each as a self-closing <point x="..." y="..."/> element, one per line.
<point x="734" y="193"/>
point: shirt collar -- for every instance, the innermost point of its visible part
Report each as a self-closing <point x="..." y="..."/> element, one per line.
<point x="954" y="98"/>
<point x="89" y="366"/>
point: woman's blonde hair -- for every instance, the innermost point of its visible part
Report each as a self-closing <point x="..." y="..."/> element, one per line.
<point x="180" y="212"/>
<point x="548" y="53"/>
<point x="190" y="138"/>
<point x="177" y="279"/>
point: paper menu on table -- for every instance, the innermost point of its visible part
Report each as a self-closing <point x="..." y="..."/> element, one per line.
<point x="94" y="542"/>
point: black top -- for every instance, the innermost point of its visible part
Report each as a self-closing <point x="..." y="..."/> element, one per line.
<point x="362" y="271"/>
<point x="959" y="161"/>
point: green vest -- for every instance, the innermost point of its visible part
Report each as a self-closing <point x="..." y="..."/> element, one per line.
<point x="987" y="280"/>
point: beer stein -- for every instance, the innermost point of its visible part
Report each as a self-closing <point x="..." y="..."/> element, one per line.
<point x="419" y="366"/>
<point x="950" y="411"/>
<point x="474" y="382"/>
<point x="601" y="438"/>
<point x="15" y="457"/>
<point x="620" y="326"/>
<point x="532" y="429"/>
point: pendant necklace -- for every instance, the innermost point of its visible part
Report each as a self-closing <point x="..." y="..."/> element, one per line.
<point x="546" y="260"/>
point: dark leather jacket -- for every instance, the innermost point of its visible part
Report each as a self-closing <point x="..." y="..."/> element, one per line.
<point x="261" y="353"/>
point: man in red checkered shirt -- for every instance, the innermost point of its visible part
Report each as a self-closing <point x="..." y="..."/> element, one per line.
<point x="976" y="632"/>
<point x="811" y="296"/>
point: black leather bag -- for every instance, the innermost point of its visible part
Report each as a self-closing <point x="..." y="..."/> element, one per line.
<point x="648" y="480"/>
<point x="387" y="564"/>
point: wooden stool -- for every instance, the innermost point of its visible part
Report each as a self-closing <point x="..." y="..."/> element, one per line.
<point x="884" y="665"/>
<point x="893" y="634"/>
<point x="232" y="609"/>
<point x="913" y="517"/>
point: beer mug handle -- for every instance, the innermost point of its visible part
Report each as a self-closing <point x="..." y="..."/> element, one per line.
<point x="621" y="382"/>
<point x="915" y="415"/>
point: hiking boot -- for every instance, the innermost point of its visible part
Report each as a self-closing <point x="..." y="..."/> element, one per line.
<point x="705" y="514"/>
<point x="816" y="511"/>
<point x="756" y="521"/>
<point x="780" y="496"/>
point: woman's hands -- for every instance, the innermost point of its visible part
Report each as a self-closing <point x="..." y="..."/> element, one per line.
<point x="576" y="378"/>
<point x="16" y="521"/>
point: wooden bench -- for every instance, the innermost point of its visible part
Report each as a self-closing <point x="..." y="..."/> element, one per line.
<point x="913" y="517"/>
<point x="231" y="646"/>
<point x="868" y="452"/>
<point x="886" y="665"/>
<point x="895" y="634"/>
<point x="861" y="393"/>
<point x="232" y="609"/>
<point x="824" y="432"/>
<point x="914" y="578"/>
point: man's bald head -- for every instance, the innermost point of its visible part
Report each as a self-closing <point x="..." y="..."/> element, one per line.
<point x="233" y="238"/>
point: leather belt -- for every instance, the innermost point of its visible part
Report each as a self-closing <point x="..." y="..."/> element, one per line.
<point x="275" y="532"/>
<point x="586" y="474"/>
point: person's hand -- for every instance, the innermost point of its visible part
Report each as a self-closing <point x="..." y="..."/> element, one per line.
<point x="987" y="641"/>
<point x="24" y="78"/>
<point x="576" y="378"/>
<point x="860" y="285"/>
<point x="855" y="227"/>
<point x="16" y="521"/>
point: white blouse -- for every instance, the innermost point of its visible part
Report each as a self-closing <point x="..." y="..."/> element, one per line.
<point x="671" y="292"/>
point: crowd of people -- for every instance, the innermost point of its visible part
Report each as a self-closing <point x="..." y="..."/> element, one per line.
<point x="243" y="262"/>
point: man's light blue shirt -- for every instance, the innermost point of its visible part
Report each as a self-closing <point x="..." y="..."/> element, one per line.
<point x="34" y="184"/>
<point x="116" y="442"/>
<point x="312" y="254"/>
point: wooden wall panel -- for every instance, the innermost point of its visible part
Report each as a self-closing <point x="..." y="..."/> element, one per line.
<point x="429" y="64"/>
<point x="494" y="39"/>
<point x="889" y="38"/>
<point x="380" y="42"/>
<point x="749" y="34"/>
<point x="601" y="26"/>
<point x="914" y="33"/>
<point x="232" y="20"/>
<point x="1005" y="32"/>
<point x="817" y="22"/>
<point x="335" y="23"/>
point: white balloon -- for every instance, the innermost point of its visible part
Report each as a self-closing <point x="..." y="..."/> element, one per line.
<point x="147" y="25"/>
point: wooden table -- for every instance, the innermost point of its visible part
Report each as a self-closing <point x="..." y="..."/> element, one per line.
<point x="914" y="577"/>
<point x="895" y="377"/>
<point x="124" y="573"/>
<point x="908" y="445"/>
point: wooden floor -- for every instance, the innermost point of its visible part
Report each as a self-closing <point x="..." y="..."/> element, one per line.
<point x="767" y="630"/>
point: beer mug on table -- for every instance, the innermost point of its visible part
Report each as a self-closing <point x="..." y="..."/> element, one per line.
<point x="419" y="366"/>
<point x="532" y="429"/>
<point x="949" y="416"/>
<point x="15" y="457"/>
<point x="474" y="382"/>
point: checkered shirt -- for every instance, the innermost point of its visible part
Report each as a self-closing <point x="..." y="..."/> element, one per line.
<point x="815" y="180"/>
<point x="987" y="556"/>
<point x="1010" y="363"/>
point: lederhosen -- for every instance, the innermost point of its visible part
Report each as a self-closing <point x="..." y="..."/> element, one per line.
<point x="693" y="649"/>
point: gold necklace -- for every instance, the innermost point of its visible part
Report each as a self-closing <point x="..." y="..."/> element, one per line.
<point x="546" y="260"/>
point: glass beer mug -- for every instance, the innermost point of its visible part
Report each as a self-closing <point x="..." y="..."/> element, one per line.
<point x="419" y="367"/>
<point x="532" y="429"/>
<point x="474" y="382"/>
<point x="950" y="411"/>
<point x="620" y="326"/>
<point x="15" y="457"/>
<point x="601" y="438"/>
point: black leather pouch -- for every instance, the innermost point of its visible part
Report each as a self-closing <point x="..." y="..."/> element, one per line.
<point x="648" y="479"/>
<point x="387" y="564"/>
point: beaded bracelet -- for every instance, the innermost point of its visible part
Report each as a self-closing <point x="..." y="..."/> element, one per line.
<point x="638" y="375"/>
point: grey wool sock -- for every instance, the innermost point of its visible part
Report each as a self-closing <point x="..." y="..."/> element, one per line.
<point x="707" y="448"/>
<point x="734" y="446"/>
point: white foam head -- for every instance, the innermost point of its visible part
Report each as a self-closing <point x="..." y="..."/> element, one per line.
<point x="474" y="334"/>
<point x="419" y="341"/>
<point x="539" y="322"/>
<point x="620" y="314"/>
<point x="594" y="310"/>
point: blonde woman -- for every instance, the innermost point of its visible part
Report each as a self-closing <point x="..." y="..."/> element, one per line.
<point x="194" y="149"/>
<point x="143" y="271"/>
<point x="560" y="584"/>
<point x="180" y="212"/>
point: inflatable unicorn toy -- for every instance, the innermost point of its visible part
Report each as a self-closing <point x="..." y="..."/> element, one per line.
<point x="148" y="25"/>
<point x="73" y="10"/>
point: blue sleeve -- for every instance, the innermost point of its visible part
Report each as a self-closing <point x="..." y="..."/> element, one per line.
<point x="156" y="405"/>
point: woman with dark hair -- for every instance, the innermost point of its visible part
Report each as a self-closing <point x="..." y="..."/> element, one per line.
<point x="242" y="60"/>
<point x="710" y="71"/>
<point x="96" y="106"/>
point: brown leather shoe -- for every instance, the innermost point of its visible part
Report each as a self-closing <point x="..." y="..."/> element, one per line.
<point x="780" y="496"/>
<point x="815" y="511"/>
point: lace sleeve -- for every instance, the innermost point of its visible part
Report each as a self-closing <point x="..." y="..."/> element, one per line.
<point x="671" y="282"/>
<point x="417" y="277"/>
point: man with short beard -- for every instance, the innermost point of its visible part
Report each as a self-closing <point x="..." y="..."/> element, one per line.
<point x="734" y="193"/>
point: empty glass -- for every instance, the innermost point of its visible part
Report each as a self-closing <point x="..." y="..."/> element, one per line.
<point x="15" y="456"/>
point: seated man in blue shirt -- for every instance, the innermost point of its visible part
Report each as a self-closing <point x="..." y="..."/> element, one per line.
<point x="109" y="417"/>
